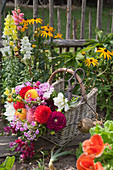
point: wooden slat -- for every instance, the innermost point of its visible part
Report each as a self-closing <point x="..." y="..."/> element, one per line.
<point x="82" y="30"/>
<point x="68" y="25"/>
<point x="0" y="21"/>
<point x="4" y="145"/>
<point x="51" y="17"/>
<point x="59" y="23"/>
<point x="35" y="13"/>
<point x="41" y="143"/>
<point x="68" y="43"/>
<point x="112" y="25"/>
<point x="74" y="28"/>
<point x="90" y="25"/>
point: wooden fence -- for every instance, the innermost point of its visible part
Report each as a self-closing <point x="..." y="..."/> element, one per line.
<point x="68" y="42"/>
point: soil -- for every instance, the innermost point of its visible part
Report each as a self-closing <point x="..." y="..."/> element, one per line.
<point x="67" y="162"/>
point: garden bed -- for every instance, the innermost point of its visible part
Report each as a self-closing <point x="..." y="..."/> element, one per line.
<point x="64" y="163"/>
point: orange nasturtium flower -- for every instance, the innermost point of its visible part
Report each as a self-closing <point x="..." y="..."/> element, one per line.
<point x="106" y="53"/>
<point x="94" y="145"/>
<point x="86" y="162"/>
<point x="90" y="61"/>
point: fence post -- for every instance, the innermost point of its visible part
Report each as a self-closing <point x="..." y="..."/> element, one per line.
<point x="35" y="13"/>
<point x="101" y="7"/>
<point x="16" y="3"/>
<point x="99" y="13"/>
<point x="83" y="19"/>
<point x="112" y="24"/>
<point x="59" y="23"/>
<point x="74" y="28"/>
<point x="108" y="24"/>
<point x="90" y="25"/>
<point x="43" y="17"/>
<point x="68" y="26"/>
<point x="0" y="47"/>
<point x="51" y="17"/>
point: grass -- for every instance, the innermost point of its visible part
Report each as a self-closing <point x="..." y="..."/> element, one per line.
<point x="75" y="13"/>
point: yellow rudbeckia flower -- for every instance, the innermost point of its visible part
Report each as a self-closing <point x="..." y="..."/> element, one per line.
<point x="106" y="53"/>
<point x="91" y="61"/>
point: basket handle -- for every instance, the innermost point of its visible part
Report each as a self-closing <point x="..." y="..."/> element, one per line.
<point x="83" y="92"/>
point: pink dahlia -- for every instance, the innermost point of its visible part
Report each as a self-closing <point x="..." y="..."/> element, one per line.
<point x="42" y="114"/>
<point x="57" y="121"/>
<point x="30" y="115"/>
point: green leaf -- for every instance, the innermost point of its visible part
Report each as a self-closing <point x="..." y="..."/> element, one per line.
<point x="8" y="163"/>
<point x="108" y="125"/>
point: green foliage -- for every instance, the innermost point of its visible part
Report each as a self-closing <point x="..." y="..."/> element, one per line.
<point x="107" y="135"/>
<point x="41" y="165"/>
<point x="8" y="163"/>
<point x="79" y="150"/>
<point x="101" y="41"/>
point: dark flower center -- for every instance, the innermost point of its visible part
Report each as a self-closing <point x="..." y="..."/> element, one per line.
<point x="105" y="50"/>
<point x="46" y="31"/>
<point x="91" y="60"/>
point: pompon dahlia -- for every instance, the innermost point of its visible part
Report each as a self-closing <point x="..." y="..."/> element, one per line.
<point x="57" y="121"/>
<point x="30" y="115"/>
<point x="24" y="90"/>
<point x="42" y="114"/>
<point x="18" y="105"/>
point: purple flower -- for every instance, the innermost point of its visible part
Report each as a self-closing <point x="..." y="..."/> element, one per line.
<point x="21" y="129"/>
<point x="37" y="132"/>
<point x="22" y="156"/>
<point x="7" y="129"/>
<point x="57" y="121"/>
<point x="33" y="123"/>
<point x="26" y="135"/>
<point x="12" y="144"/>
<point x="18" y="88"/>
<point x="27" y="83"/>
<point x="25" y="126"/>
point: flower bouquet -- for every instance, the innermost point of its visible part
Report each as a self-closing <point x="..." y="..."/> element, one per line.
<point x="32" y="108"/>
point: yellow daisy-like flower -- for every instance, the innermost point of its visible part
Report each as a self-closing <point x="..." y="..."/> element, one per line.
<point x="37" y="33"/>
<point x="106" y="53"/>
<point x="15" y="48"/>
<point x="11" y="43"/>
<point x="58" y="36"/>
<point x="90" y="61"/>
<point x="47" y="28"/>
<point x="33" y="45"/>
<point x="24" y="27"/>
<point x="13" y="90"/>
<point x="37" y="20"/>
<point x="46" y="34"/>
<point x="7" y="91"/>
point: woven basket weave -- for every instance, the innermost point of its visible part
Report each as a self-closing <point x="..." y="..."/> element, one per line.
<point x="74" y="115"/>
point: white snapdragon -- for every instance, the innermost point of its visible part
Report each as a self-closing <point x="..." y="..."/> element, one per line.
<point x="10" y="111"/>
<point x="26" y="48"/>
<point x="61" y="102"/>
<point x="6" y="51"/>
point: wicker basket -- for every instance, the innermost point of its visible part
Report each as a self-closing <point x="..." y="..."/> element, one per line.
<point x="74" y="115"/>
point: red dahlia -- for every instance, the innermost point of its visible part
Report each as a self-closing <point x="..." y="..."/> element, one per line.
<point x="24" y="90"/>
<point x="42" y="114"/>
<point x="18" y="105"/>
<point x="56" y="121"/>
